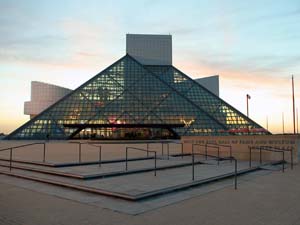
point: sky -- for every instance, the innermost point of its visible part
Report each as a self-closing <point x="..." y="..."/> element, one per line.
<point x="252" y="45"/>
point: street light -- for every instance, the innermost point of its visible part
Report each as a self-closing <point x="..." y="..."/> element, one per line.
<point x="293" y="96"/>
<point x="247" y="98"/>
<point x="297" y="120"/>
<point x="283" y="122"/>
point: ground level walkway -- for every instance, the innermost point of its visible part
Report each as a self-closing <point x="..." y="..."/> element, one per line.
<point x="267" y="199"/>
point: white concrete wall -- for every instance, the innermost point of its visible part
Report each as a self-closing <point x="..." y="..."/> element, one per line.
<point x="42" y="96"/>
<point x="211" y="83"/>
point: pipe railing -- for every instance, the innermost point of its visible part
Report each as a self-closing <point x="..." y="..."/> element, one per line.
<point x="178" y="144"/>
<point x="284" y="149"/>
<point x="143" y="150"/>
<point x="88" y="143"/>
<point x="206" y="149"/>
<point x="270" y="149"/>
<point x="201" y="146"/>
<point x="100" y="152"/>
<point x="162" y="149"/>
<point x="226" y="146"/>
<point x="218" y="159"/>
<point x="168" y="148"/>
<point x="20" y="146"/>
<point x="79" y="148"/>
<point x="211" y="146"/>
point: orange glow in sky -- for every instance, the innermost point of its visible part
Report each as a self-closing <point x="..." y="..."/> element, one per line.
<point x="254" y="49"/>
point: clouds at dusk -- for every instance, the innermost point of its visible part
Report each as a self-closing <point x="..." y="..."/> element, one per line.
<point x="253" y="46"/>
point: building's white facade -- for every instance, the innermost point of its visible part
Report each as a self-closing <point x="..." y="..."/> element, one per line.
<point x="150" y="49"/>
<point x="211" y="83"/>
<point x="42" y="96"/>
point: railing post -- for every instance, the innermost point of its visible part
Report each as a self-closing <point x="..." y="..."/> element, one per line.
<point x="100" y="156"/>
<point x="250" y="156"/>
<point x="10" y="161"/>
<point x="147" y="149"/>
<point x="235" y="174"/>
<point x="193" y="161"/>
<point x="44" y="154"/>
<point x="283" y="161"/>
<point x="230" y="149"/>
<point x="162" y="148"/>
<point x="79" y="152"/>
<point x="292" y="159"/>
<point x="181" y="150"/>
<point x="168" y="151"/>
<point x="205" y="151"/>
<point x="154" y="163"/>
<point x="218" y="156"/>
<point x="126" y="159"/>
<point x="260" y="161"/>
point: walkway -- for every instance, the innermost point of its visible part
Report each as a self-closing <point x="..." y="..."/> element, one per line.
<point x="271" y="199"/>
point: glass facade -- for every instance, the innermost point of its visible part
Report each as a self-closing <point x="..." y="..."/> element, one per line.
<point x="130" y="100"/>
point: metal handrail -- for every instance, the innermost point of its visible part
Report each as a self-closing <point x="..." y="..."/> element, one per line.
<point x="20" y="146"/>
<point x="201" y="146"/>
<point x="143" y="150"/>
<point x="218" y="159"/>
<point x="211" y="146"/>
<point x="206" y="145"/>
<point x="178" y="144"/>
<point x="168" y="148"/>
<point x="100" y="152"/>
<point x="79" y="148"/>
<point x="283" y="149"/>
<point x="89" y="143"/>
<point x="162" y="149"/>
<point x="271" y="149"/>
<point x="227" y="146"/>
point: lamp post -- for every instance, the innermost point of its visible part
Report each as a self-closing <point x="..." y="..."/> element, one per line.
<point x="297" y="120"/>
<point x="247" y="99"/>
<point x="293" y="96"/>
<point x="282" y="122"/>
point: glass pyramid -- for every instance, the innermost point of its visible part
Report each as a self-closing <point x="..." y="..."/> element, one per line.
<point x="129" y="100"/>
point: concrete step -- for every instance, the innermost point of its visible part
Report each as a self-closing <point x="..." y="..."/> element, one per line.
<point x="97" y="176"/>
<point x="125" y="196"/>
<point x="136" y="185"/>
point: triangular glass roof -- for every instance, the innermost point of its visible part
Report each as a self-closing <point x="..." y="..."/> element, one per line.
<point x="128" y="98"/>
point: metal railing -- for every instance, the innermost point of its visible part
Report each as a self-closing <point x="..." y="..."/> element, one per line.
<point x="201" y="146"/>
<point x="143" y="150"/>
<point x="181" y="147"/>
<point x="100" y="152"/>
<point x="206" y="145"/>
<point x="271" y="149"/>
<point x="218" y="159"/>
<point x="162" y="149"/>
<point x="221" y="145"/>
<point x="20" y="146"/>
<point x="168" y="148"/>
<point x="79" y="148"/>
<point x="283" y="149"/>
<point x="88" y="143"/>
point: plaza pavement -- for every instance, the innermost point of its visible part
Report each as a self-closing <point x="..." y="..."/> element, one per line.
<point x="268" y="199"/>
<point x="265" y="197"/>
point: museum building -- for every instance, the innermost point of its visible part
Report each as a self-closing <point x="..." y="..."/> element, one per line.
<point x="140" y="96"/>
